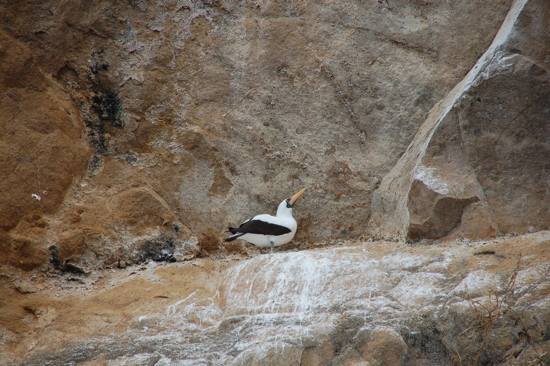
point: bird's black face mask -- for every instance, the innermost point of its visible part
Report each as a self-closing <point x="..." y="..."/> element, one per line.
<point x="288" y="205"/>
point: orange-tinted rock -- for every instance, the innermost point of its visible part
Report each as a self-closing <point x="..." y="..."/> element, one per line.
<point x="42" y="140"/>
<point x="71" y="246"/>
<point x="21" y="252"/>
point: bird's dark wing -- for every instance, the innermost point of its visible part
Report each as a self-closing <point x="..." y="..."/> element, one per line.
<point x="233" y="237"/>
<point x="260" y="227"/>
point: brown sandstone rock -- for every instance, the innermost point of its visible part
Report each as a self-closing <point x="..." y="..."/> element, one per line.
<point x="326" y="306"/>
<point x="382" y="346"/>
<point x="190" y="117"/>
<point x="21" y="252"/>
<point x="71" y="246"/>
<point x="477" y="166"/>
<point x="133" y="226"/>
<point x="42" y="150"/>
<point x="227" y="108"/>
<point x="318" y="355"/>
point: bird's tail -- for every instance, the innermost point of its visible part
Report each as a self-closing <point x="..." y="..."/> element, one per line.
<point x="235" y="235"/>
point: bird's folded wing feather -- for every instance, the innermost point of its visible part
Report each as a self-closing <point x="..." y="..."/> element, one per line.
<point x="260" y="227"/>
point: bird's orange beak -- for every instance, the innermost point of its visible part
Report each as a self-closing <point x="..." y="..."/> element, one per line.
<point x="296" y="196"/>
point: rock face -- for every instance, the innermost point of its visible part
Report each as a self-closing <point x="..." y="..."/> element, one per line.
<point x="42" y="148"/>
<point x="477" y="167"/>
<point x="224" y="108"/>
<point x="485" y="302"/>
<point x="132" y="133"/>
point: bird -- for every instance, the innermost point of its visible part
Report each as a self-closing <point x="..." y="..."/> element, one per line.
<point x="269" y="231"/>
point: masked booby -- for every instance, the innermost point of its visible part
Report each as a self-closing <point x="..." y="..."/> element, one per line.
<point x="269" y="231"/>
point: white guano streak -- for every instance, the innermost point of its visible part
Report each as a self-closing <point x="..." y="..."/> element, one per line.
<point x="427" y="176"/>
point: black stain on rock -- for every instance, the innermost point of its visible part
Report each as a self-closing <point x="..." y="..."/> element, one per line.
<point x="158" y="249"/>
<point x="485" y="252"/>
<point x="105" y="105"/>
<point x="64" y="266"/>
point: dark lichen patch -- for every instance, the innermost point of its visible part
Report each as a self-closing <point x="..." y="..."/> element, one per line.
<point x="64" y="266"/>
<point x="104" y="103"/>
<point x="107" y="106"/>
<point x="158" y="249"/>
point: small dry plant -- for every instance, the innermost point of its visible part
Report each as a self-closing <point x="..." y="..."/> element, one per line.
<point x="488" y="310"/>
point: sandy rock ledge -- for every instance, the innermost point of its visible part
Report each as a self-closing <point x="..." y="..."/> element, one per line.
<point x="372" y="303"/>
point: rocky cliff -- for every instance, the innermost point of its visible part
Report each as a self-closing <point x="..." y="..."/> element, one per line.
<point x="134" y="132"/>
